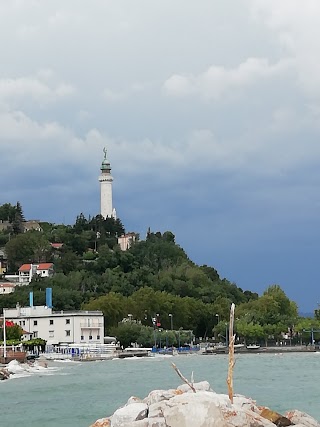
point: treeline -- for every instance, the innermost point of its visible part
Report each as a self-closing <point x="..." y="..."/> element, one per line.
<point x="154" y="276"/>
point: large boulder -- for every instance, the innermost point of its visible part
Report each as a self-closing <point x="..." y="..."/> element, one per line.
<point x="102" y="422"/>
<point x="4" y="374"/>
<point x="298" y="417"/>
<point x="200" y="386"/>
<point x="276" y="418"/>
<point x="183" y="408"/>
<point x="129" y="413"/>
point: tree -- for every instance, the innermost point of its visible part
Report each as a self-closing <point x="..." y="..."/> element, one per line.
<point x="7" y="212"/>
<point x="28" y="247"/>
<point x="17" y="223"/>
<point x="13" y="331"/>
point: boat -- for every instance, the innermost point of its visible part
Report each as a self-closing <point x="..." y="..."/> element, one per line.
<point x="134" y="352"/>
<point x="253" y="347"/>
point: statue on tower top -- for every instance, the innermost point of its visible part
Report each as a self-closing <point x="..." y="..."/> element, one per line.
<point x="105" y="153"/>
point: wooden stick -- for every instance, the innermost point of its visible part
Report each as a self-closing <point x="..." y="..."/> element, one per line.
<point x="183" y="378"/>
<point x="231" y="354"/>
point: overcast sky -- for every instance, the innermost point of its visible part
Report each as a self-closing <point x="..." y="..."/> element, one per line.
<point x="210" y="112"/>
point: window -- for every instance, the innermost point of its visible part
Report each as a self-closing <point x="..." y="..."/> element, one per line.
<point x="98" y="337"/>
<point x="51" y="334"/>
<point x="35" y="322"/>
<point x="82" y="337"/>
<point x="90" y="337"/>
<point x="51" y="322"/>
<point x="67" y="333"/>
<point x="67" y="321"/>
<point x="24" y="323"/>
<point x="35" y="334"/>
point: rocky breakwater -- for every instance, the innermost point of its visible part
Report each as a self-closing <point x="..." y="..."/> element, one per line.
<point x="16" y="368"/>
<point x="182" y="407"/>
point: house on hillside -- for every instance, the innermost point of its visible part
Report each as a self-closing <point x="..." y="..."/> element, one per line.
<point x="27" y="271"/>
<point x="32" y="224"/>
<point x="7" y="288"/>
<point x="4" y="225"/>
<point x="3" y="262"/>
<point x="125" y="241"/>
<point x="56" y="245"/>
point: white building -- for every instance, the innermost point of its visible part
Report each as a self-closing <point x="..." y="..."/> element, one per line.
<point x="106" y="179"/>
<point x="62" y="327"/>
<point x="32" y="224"/>
<point x="6" y="288"/>
<point x="27" y="271"/>
<point x="125" y="241"/>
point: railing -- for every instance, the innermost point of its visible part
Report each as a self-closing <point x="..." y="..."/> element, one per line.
<point x="91" y="325"/>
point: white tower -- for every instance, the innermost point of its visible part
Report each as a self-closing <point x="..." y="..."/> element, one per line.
<point x="105" y="180"/>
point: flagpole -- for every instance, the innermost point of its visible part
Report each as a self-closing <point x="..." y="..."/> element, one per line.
<point x="4" y="337"/>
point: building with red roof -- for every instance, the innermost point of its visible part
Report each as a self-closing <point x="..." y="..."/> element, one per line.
<point x="6" y="288"/>
<point x="27" y="271"/>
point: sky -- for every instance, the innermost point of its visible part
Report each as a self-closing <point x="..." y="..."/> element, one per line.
<point x="210" y="113"/>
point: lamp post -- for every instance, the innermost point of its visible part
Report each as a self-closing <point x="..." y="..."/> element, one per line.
<point x="171" y="320"/>
<point x="218" y="318"/>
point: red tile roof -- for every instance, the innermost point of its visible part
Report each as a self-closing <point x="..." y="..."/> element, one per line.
<point x="41" y="266"/>
<point x="25" y="267"/>
<point x="7" y="285"/>
<point x="45" y="266"/>
<point x="56" y="245"/>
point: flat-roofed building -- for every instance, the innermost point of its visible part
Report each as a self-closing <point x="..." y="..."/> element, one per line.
<point x="59" y="327"/>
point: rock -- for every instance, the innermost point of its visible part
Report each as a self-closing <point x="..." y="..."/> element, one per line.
<point x="298" y="417"/>
<point x="200" y="386"/>
<point x="133" y="399"/>
<point x="159" y="395"/>
<point x="245" y="402"/>
<point x="102" y="422"/>
<point x="276" y="418"/>
<point x="14" y="367"/>
<point x="183" y="408"/>
<point x="148" y="422"/>
<point x="129" y="413"/>
<point x="192" y="409"/>
<point x="4" y="374"/>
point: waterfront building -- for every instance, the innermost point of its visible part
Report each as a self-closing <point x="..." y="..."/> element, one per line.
<point x="58" y="327"/>
<point x="27" y="271"/>
<point x="106" y="209"/>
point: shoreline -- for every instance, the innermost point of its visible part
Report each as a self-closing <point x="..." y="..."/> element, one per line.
<point x="267" y="350"/>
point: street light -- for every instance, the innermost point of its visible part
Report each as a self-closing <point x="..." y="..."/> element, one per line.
<point x="218" y="318"/>
<point x="171" y="320"/>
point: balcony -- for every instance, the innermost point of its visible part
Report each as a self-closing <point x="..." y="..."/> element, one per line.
<point x="91" y="325"/>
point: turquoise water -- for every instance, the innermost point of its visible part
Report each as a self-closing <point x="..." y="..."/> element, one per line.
<point x="76" y="394"/>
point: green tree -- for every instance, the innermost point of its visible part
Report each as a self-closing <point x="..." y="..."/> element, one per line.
<point x="17" y="223"/>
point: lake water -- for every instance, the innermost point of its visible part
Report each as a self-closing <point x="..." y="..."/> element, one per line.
<point x="74" y="394"/>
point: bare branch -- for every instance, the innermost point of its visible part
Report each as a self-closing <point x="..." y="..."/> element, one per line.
<point x="183" y="378"/>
